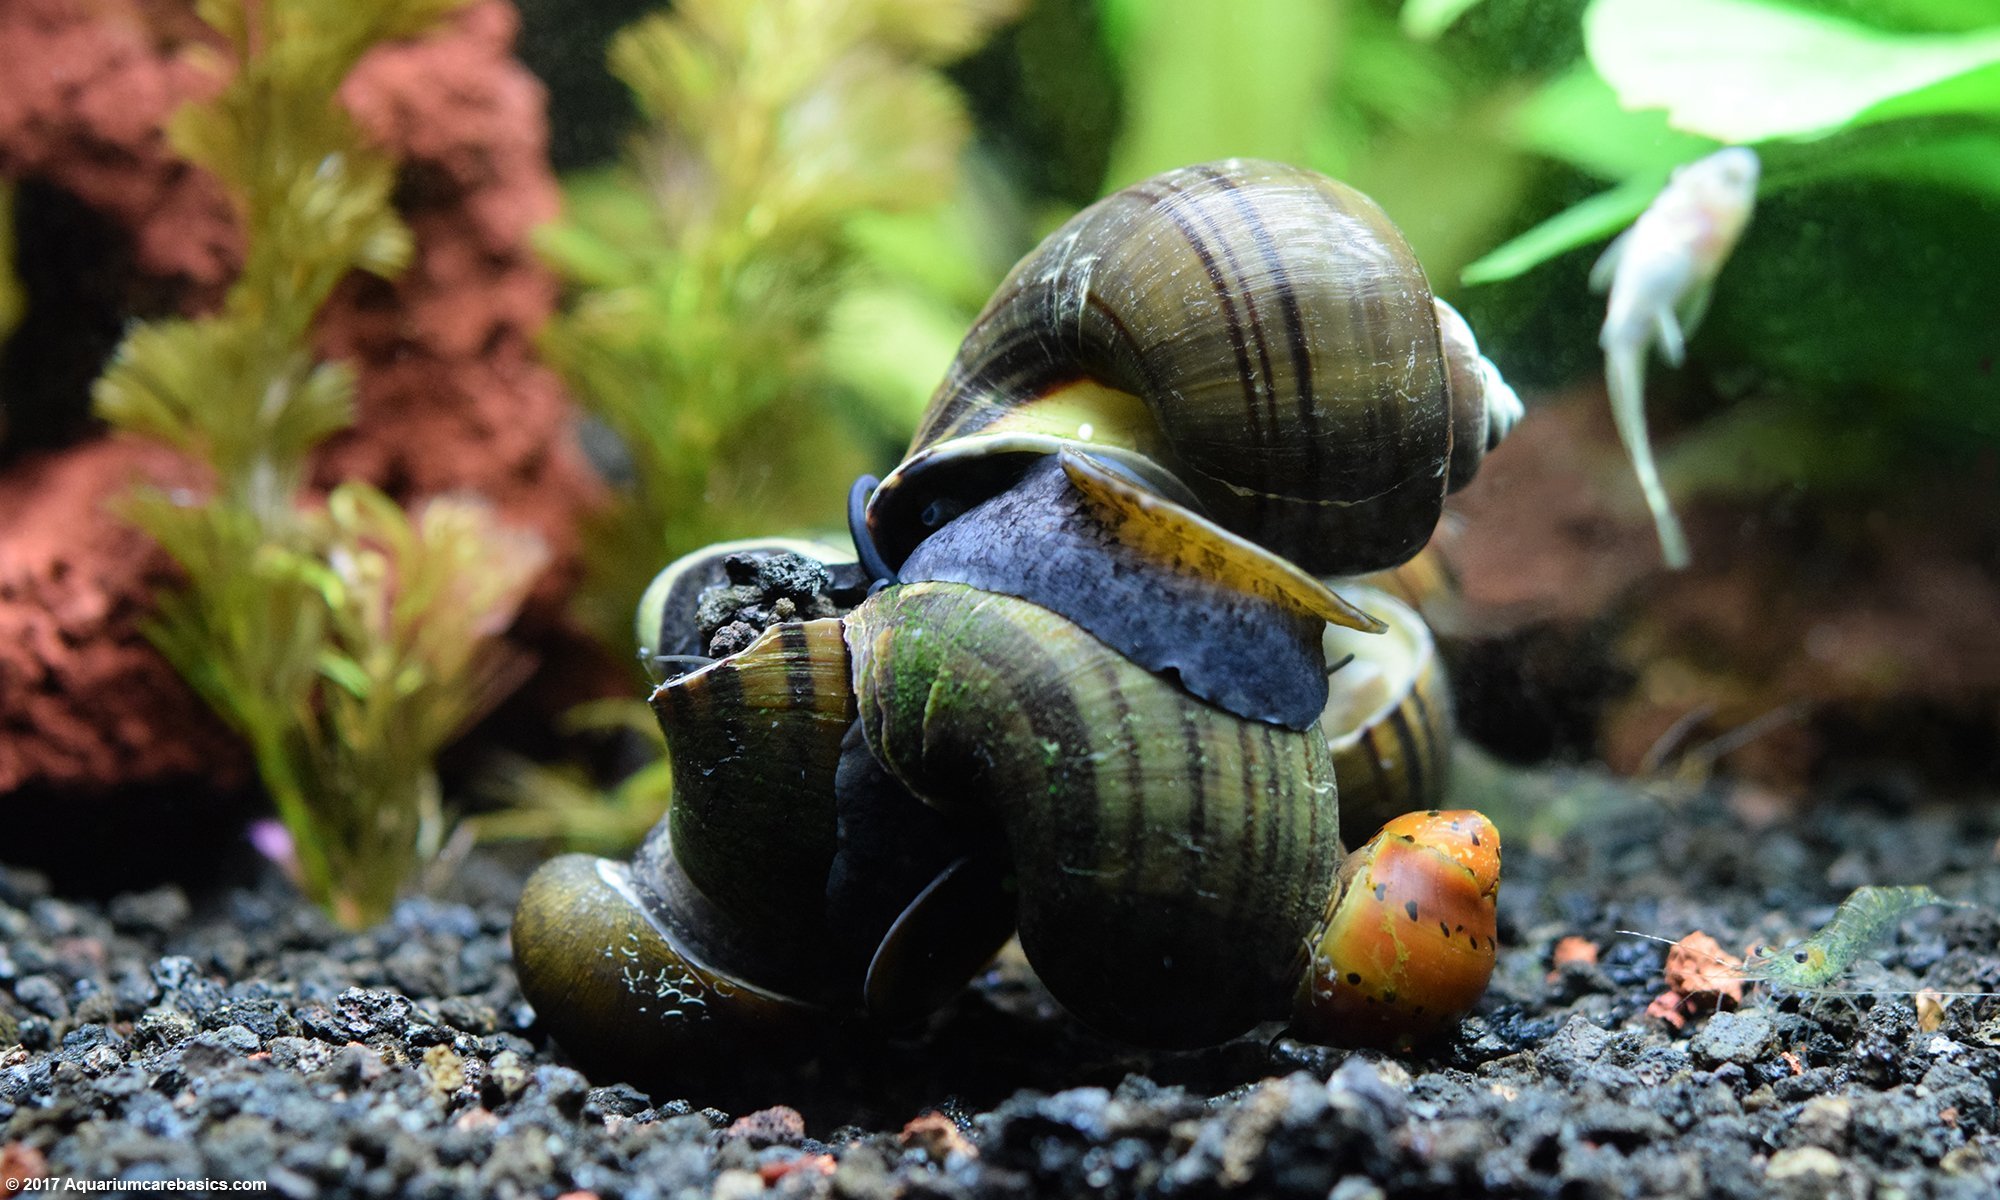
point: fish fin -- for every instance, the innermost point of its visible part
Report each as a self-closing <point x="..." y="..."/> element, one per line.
<point x="1625" y="379"/>
<point x="1694" y="308"/>
<point x="1673" y="346"/>
<point x="1606" y="269"/>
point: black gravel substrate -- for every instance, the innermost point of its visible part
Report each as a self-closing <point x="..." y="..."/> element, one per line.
<point x="242" y="1037"/>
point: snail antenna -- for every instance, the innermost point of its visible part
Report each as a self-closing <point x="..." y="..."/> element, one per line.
<point x="864" y="541"/>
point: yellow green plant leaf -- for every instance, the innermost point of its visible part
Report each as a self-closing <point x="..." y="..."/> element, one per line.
<point x="1426" y="19"/>
<point x="1746" y="71"/>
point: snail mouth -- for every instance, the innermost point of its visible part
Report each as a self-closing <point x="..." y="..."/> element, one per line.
<point x="938" y="484"/>
<point x="1375" y="672"/>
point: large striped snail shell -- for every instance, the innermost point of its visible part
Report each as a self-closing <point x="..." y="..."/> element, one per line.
<point x="1089" y="695"/>
<point x="1260" y="332"/>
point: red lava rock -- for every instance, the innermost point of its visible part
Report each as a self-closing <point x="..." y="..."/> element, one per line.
<point x="778" y="1126"/>
<point x="1574" y="950"/>
<point x="90" y="84"/>
<point x="472" y="1120"/>
<point x="937" y="1136"/>
<point x="84" y="698"/>
<point x="804" y="1164"/>
<point x="451" y="397"/>
<point x="1700" y="978"/>
<point x="1832" y="627"/>
<point x="1571" y="950"/>
<point x="19" y="1163"/>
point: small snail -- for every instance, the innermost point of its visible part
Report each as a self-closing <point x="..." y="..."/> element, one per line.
<point x="1077" y="684"/>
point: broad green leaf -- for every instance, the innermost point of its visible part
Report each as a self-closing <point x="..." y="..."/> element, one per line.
<point x="1426" y="19"/>
<point x="1594" y="219"/>
<point x="1964" y="159"/>
<point x="1576" y="117"/>
<point x="1743" y="71"/>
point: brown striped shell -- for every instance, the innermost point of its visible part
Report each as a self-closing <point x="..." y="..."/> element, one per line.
<point x="1170" y="857"/>
<point x="1260" y="333"/>
<point x="1387" y="716"/>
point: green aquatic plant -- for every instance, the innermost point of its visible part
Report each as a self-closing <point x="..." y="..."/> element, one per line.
<point x="11" y="300"/>
<point x="1854" y="311"/>
<point x="539" y="802"/>
<point x="705" y="266"/>
<point x="345" y="645"/>
<point x="1659" y="90"/>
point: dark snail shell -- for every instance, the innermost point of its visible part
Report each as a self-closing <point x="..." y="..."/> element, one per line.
<point x="1260" y="332"/>
<point x="1169" y="856"/>
<point x="1387" y="717"/>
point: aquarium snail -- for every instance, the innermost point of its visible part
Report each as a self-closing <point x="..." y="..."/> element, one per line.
<point x="1077" y="683"/>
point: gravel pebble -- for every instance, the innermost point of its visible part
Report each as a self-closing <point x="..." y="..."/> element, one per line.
<point x="239" y="1035"/>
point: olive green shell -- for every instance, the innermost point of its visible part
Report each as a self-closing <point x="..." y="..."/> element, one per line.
<point x="609" y="967"/>
<point x="755" y="741"/>
<point x="1387" y="718"/>
<point x="1258" y="331"/>
<point x="1170" y="857"/>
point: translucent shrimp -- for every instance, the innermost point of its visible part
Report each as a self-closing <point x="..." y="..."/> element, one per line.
<point x="1860" y="924"/>
<point x="1810" y="965"/>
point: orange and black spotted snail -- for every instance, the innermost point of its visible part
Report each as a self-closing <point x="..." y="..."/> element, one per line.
<point x="1077" y="687"/>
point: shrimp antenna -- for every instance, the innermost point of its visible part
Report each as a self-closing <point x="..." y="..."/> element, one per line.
<point x="1717" y="959"/>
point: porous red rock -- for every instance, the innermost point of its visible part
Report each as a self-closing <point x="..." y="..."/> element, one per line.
<point x="451" y="397"/>
<point x="82" y="693"/>
<point x="1813" y="630"/>
<point x="89" y="87"/>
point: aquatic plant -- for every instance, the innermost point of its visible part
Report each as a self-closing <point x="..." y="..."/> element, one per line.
<point x="706" y="264"/>
<point x="1878" y="124"/>
<point x="346" y="645"/>
<point x="720" y="328"/>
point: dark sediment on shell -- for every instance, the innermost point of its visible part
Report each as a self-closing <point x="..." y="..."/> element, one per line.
<point x="762" y="589"/>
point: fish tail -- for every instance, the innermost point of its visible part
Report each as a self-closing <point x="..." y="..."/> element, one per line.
<point x="1625" y="378"/>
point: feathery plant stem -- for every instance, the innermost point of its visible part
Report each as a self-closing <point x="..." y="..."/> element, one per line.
<point x="346" y="645"/>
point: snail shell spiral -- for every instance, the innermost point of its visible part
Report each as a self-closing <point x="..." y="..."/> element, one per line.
<point x="1260" y="333"/>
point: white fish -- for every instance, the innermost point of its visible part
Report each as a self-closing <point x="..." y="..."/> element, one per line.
<point x="1660" y="272"/>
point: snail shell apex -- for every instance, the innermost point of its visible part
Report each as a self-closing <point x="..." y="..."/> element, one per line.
<point x="620" y="986"/>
